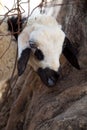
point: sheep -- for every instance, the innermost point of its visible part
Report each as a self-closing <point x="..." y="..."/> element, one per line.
<point x="42" y="42"/>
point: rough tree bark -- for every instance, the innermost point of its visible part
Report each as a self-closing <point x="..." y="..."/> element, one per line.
<point x="33" y="106"/>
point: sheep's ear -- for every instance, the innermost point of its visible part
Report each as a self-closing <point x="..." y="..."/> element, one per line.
<point x="23" y="60"/>
<point x="13" y="25"/>
<point x="70" y="53"/>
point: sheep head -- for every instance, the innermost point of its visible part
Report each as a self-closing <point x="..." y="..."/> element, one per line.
<point x="43" y="45"/>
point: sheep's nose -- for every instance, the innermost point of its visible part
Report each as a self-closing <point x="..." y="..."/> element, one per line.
<point x="51" y="81"/>
<point x="48" y="76"/>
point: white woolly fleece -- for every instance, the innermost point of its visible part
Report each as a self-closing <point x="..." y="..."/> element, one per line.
<point x="48" y="36"/>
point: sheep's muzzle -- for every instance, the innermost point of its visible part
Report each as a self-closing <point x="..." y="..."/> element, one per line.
<point x="48" y="76"/>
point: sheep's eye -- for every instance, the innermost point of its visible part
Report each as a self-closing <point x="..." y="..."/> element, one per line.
<point x="39" y="54"/>
<point x="32" y="44"/>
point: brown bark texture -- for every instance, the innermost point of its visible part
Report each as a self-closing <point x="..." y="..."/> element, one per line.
<point x="30" y="105"/>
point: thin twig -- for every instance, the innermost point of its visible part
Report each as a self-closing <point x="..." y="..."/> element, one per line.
<point x="6" y="49"/>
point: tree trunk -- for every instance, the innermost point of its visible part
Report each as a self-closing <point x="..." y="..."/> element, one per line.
<point x="30" y="105"/>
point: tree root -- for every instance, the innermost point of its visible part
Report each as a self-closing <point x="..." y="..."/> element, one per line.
<point x="15" y="111"/>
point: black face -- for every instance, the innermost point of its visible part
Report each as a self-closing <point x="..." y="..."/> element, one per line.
<point x="48" y="76"/>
